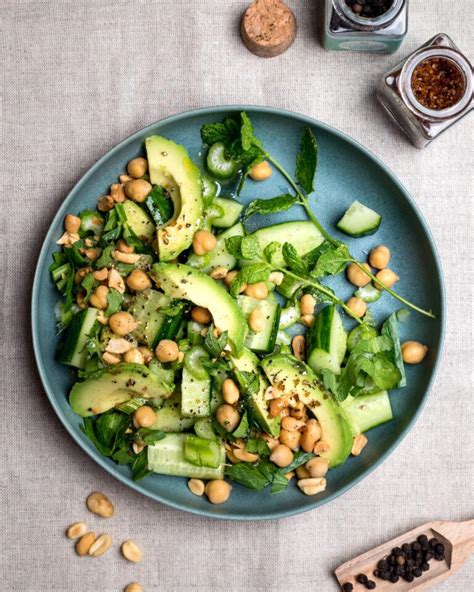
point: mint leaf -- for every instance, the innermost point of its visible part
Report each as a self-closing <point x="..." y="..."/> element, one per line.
<point x="307" y="160"/>
<point x="140" y="466"/>
<point x="330" y="381"/>
<point x="390" y="330"/>
<point x="250" y="247"/>
<point x="331" y="262"/>
<point x="293" y="260"/>
<point x="250" y="274"/>
<point x="217" y="132"/>
<point x="215" y="345"/>
<point x="233" y="246"/>
<point x="257" y="445"/>
<point x="247" y="135"/>
<point x="159" y="205"/>
<point x="149" y="436"/>
<point x="105" y="259"/>
<point x="280" y="203"/>
<point x="88" y="283"/>
<point x="271" y="250"/>
<point x="114" y="302"/>
<point x="248" y="475"/>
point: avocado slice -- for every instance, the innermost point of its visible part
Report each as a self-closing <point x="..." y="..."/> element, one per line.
<point x="187" y="283"/>
<point x="170" y="167"/>
<point x="290" y="376"/>
<point x="114" y="386"/>
<point x="138" y="220"/>
<point x="248" y="362"/>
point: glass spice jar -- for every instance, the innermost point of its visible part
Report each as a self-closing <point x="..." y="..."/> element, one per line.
<point x="429" y="90"/>
<point x="350" y="27"/>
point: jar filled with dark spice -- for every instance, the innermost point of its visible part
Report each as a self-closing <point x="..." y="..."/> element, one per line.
<point x="365" y="25"/>
<point x="429" y="90"/>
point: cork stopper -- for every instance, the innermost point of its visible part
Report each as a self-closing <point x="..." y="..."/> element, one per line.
<point x="268" y="28"/>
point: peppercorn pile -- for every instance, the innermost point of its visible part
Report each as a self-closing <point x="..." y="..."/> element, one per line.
<point x="407" y="562"/>
<point x="369" y="8"/>
<point x="437" y="83"/>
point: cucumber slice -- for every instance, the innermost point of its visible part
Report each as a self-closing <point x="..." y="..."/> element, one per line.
<point x="368" y="293"/>
<point x="193" y="362"/>
<point x="231" y="212"/>
<point x="209" y="189"/>
<point x="167" y="458"/>
<point x="202" y="452"/>
<point x="327" y="341"/>
<point x="283" y="338"/>
<point x="73" y="352"/>
<point x="195" y="395"/>
<point x="289" y="286"/>
<point x="203" y="429"/>
<point x="169" y="417"/>
<point x="218" y="164"/>
<point x="290" y="315"/>
<point x="368" y="411"/>
<point x="262" y="342"/>
<point x="358" y="333"/>
<point x="359" y="220"/>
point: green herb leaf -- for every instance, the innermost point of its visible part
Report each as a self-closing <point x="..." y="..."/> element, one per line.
<point x="250" y="247"/>
<point x="293" y="260"/>
<point x="105" y="259"/>
<point x="330" y="381"/>
<point x="250" y="274"/>
<point x="257" y="445"/>
<point x="159" y="205"/>
<point x="233" y="246"/>
<point x="140" y="466"/>
<point x="114" y="302"/>
<point x="149" y="436"/>
<point x="215" y="345"/>
<point x="107" y="431"/>
<point x="248" y="381"/>
<point x="331" y="262"/>
<point x="271" y="250"/>
<point x="242" y="429"/>
<point x="280" y="203"/>
<point x="247" y="135"/>
<point x="248" y="475"/>
<point x="88" y="283"/>
<point x="390" y="330"/>
<point x="307" y="160"/>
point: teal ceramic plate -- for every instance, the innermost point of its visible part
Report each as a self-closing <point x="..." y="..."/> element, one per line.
<point x="346" y="171"/>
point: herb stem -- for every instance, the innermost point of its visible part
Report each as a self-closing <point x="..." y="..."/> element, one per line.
<point x="304" y="201"/>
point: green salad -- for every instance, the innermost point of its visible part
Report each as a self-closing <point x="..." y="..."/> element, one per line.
<point x="209" y="352"/>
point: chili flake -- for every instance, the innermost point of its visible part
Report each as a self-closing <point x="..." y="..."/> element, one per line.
<point x="438" y="83"/>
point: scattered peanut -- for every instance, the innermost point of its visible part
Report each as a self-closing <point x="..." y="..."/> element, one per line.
<point x="379" y="257"/>
<point x="76" y="530"/>
<point x="125" y="257"/>
<point x="312" y="486"/>
<point x="110" y="359"/>
<point x="218" y="491"/>
<point x="230" y="391"/>
<point x="413" y="352"/>
<point x="100" y="504"/>
<point x="219" y="273"/>
<point x="117" y="193"/>
<point x="131" y="551"/>
<point x="100" y="275"/>
<point x="72" y="223"/>
<point x="261" y="171"/>
<point x="196" y="486"/>
<point x="359" y="444"/>
<point x="134" y="356"/>
<point x="105" y="203"/>
<point x="134" y="587"/>
<point x="256" y="321"/>
<point x="356" y="276"/>
<point x="298" y="345"/>
<point x="100" y="546"/>
<point x="245" y="456"/>
<point x="115" y="281"/>
<point x="167" y="350"/>
<point x="118" y="345"/>
<point x="124" y="247"/>
<point x="307" y="304"/>
<point x="92" y="254"/>
<point x="84" y="543"/>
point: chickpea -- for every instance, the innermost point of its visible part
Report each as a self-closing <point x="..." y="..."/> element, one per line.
<point x="302" y="473"/>
<point x="99" y="298"/>
<point x="256" y="321"/>
<point x="357" y="306"/>
<point x="292" y="424"/>
<point x="413" y="352"/>
<point x="258" y="291"/>
<point x="138" y="280"/>
<point x="167" y="350"/>
<point x="290" y="439"/>
<point x="277" y="405"/>
<point x="261" y="171"/>
<point x="379" y="257"/>
<point x="229" y="278"/>
<point x="230" y="391"/>
<point x="203" y="242"/>
<point x="133" y="356"/>
<point x="201" y="315"/>
<point x="72" y="223"/>
<point x="281" y="455"/>
<point x="122" y="323"/>
<point x="218" y="491"/>
<point x="311" y="434"/>
<point x="138" y="189"/>
<point x="123" y="247"/>
<point x="356" y="276"/>
<point x="307" y="304"/>
<point x="317" y="467"/>
<point x="144" y="417"/>
<point x="307" y="320"/>
<point x="137" y="167"/>
<point x="228" y="417"/>
<point x="146" y="353"/>
<point x="387" y="277"/>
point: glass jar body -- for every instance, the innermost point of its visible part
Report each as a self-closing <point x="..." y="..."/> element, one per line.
<point x="395" y="93"/>
<point x="345" y="31"/>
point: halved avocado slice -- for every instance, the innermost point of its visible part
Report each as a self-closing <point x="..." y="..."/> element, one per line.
<point x="292" y="377"/>
<point x="114" y="386"/>
<point x="187" y="283"/>
<point x="170" y="167"/>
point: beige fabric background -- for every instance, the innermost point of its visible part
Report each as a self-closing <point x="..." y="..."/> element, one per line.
<point x="80" y="75"/>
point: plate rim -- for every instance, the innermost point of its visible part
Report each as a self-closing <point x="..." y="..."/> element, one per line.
<point x="93" y="453"/>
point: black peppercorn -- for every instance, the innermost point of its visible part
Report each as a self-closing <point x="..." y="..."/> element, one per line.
<point x="409" y="577"/>
<point x="385" y="575"/>
<point x="382" y="564"/>
<point x="428" y="556"/>
<point x="406" y="548"/>
<point x="416" y="546"/>
<point x="347" y="587"/>
<point x="362" y="579"/>
<point x="396" y="551"/>
<point x="394" y="578"/>
<point x="399" y="570"/>
<point x="433" y="542"/>
<point x="422" y="538"/>
<point x="425" y="566"/>
<point x="370" y="585"/>
<point x="439" y="548"/>
<point x="417" y="572"/>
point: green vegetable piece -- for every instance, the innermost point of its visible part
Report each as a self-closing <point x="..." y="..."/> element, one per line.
<point x="159" y="205"/>
<point x="307" y="161"/>
<point x="201" y="452"/>
<point x="264" y="207"/>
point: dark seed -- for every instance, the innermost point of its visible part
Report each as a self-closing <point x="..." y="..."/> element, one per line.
<point x="399" y="570"/>
<point x="416" y="546"/>
<point x="394" y="578"/>
<point x="422" y="538"/>
<point x="370" y="585"/>
<point x="409" y="577"/>
<point x="385" y="575"/>
<point x="425" y="566"/>
<point x="406" y="547"/>
<point x="433" y="542"/>
<point x="396" y="551"/>
<point x="347" y="587"/>
<point x="439" y="548"/>
<point x="417" y="572"/>
<point x="382" y="564"/>
<point x="362" y="579"/>
<point x="428" y="556"/>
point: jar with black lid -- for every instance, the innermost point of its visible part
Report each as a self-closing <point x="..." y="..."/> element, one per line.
<point x="428" y="91"/>
<point x="365" y="25"/>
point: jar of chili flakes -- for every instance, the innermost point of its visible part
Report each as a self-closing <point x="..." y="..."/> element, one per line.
<point x="428" y="91"/>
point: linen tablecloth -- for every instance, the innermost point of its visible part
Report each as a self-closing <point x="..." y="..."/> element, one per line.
<point x="77" y="77"/>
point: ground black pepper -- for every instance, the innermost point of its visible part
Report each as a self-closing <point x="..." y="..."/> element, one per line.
<point x="438" y="83"/>
<point x="369" y="8"/>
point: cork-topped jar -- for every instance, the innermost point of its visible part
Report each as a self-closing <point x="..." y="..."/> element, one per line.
<point x="351" y="26"/>
<point x="428" y="91"/>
